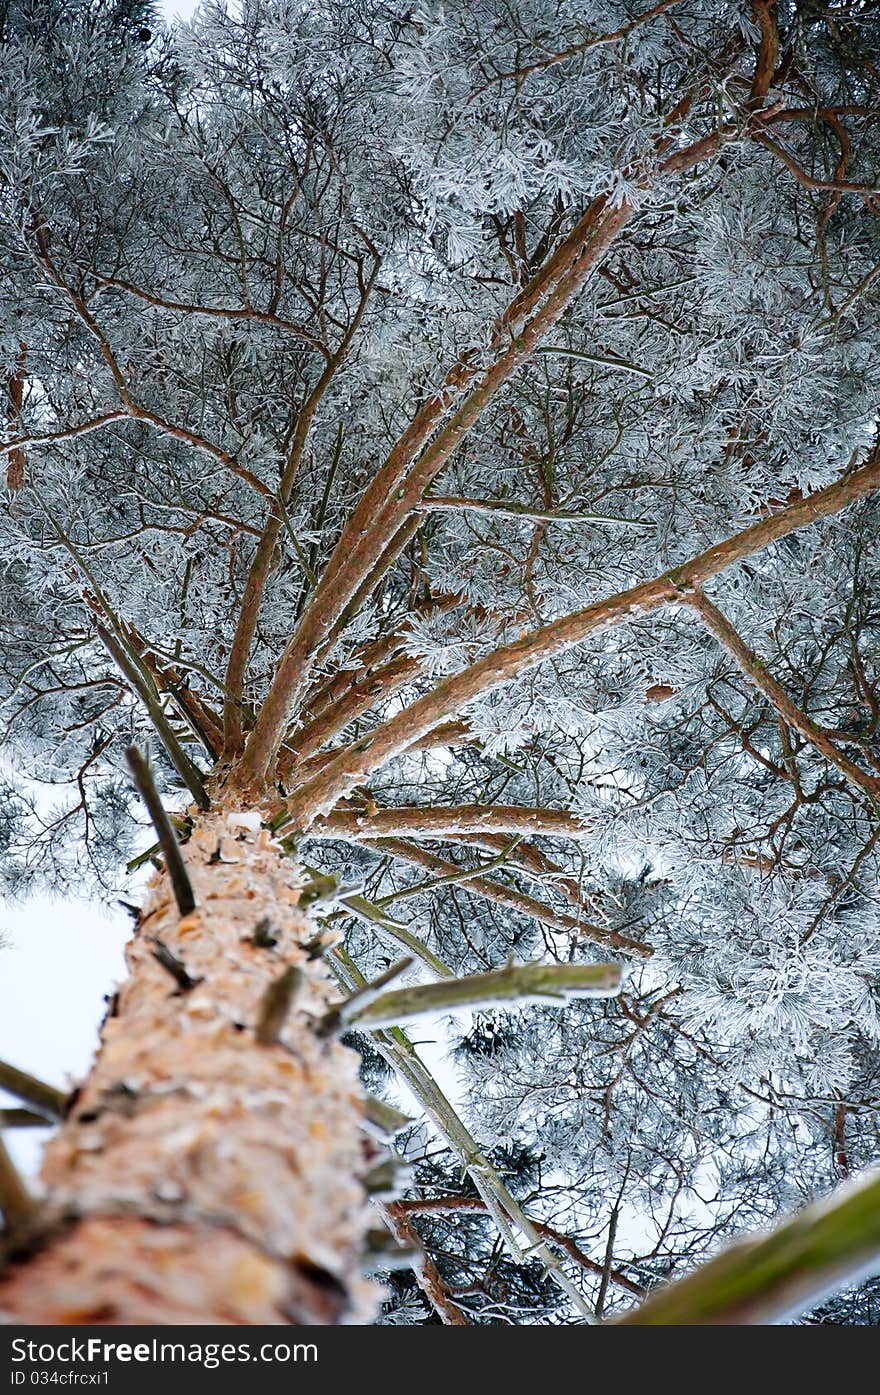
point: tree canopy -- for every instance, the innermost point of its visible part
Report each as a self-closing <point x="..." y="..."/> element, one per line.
<point x="453" y="428"/>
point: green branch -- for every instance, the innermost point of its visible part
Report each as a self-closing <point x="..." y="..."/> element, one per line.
<point x="188" y="772"/>
<point x="553" y="984"/>
<point x="387" y="927"/>
<point x="505" y="1210"/>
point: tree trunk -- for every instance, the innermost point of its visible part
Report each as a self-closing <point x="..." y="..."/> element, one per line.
<point x="205" y="1172"/>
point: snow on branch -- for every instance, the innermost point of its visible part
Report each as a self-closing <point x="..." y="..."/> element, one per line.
<point x="438" y="822"/>
<point x="342" y="774"/>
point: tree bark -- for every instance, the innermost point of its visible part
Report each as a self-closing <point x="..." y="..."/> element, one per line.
<point x="201" y="1176"/>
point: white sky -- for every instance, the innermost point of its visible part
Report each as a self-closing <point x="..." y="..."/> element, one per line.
<point x="59" y="959"/>
<point x="176" y="9"/>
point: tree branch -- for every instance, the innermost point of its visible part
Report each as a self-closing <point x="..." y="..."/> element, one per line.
<point x="440" y="821"/>
<point x="502" y="1206"/>
<point x="340" y="775"/>
<point x="550" y="984"/>
<point x="435" y="1204"/>
<point x="573" y="926"/>
<point x="423" y="1267"/>
<point x="177" y="873"/>
<point x="43" y="1097"/>
<point x="758" y="674"/>
<point x="768" y="53"/>
<point x="188" y="772"/>
<point x="258" y="573"/>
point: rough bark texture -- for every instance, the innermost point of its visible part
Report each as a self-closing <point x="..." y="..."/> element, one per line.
<point x="201" y="1176"/>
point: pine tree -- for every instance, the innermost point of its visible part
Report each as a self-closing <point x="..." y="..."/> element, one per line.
<point x="444" y="440"/>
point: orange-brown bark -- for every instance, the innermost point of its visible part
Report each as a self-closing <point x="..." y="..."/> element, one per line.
<point x="201" y="1176"/>
<point x="15" y="465"/>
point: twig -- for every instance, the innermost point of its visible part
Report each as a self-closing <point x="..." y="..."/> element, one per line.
<point x="506" y="508"/>
<point x="174" y="966"/>
<point x="143" y="778"/>
<point x="276" y="1004"/>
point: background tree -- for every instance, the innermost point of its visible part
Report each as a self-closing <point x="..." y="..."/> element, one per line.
<point x="446" y="438"/>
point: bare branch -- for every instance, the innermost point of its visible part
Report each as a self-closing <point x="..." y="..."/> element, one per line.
<point x="572" y="926"/>
<point x="188" y="772"/>
<point x="258" y="573"/>
<point x="424" y="1268"/>
<point x="451" y="1204"/>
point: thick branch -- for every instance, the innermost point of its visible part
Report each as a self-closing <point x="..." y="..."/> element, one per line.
<point x="397" y="487"/>
<point x="14" y="400"/>
<point x="365" y="691"/>
<point x="768" y="54"/>
<point x="23" y="1119"/>
<point x="400" y="484"/>
<point x="527" y="858"/>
